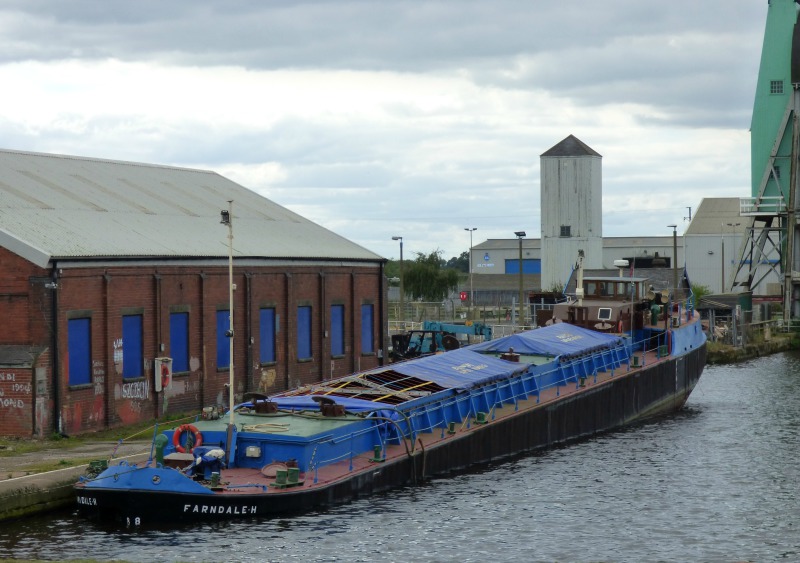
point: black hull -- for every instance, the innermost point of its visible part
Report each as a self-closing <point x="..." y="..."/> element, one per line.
<point x="641" y="393"/>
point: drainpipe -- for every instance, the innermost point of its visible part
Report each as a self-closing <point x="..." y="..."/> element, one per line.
<point x="325" y="357"/>
<point x="56" y="357"/>
<point x="249" y="377"/>
<point x="382" y="319"/>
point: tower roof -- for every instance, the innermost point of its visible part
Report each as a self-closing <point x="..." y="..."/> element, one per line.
<point x="571" y="146"/>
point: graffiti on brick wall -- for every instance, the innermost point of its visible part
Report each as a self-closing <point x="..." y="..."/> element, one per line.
<point x="118" y="355"/>
<point x="10" y="386"/>
<point x="136" y="390"/>
<point x="98" y="376"/>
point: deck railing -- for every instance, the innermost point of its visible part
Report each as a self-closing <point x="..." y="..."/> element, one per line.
<point x="466" y="409"/>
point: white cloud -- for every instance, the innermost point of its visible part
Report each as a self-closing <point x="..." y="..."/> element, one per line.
<point x="405" y="118"/>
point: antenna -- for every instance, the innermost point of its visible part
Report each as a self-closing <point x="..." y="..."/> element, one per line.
<point x="689" y="218"/>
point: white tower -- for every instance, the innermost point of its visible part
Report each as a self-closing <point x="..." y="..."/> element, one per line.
<point x="572" y="210"/>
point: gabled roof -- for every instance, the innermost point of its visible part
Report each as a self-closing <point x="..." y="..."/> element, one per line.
<point x="64" y="207"/>
<point x="571" y="146"/>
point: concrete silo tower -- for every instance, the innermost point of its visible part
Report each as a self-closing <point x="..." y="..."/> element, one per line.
<point x="572" y="210"/>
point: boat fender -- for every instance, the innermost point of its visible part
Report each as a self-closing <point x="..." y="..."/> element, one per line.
<point x="176" y="437"/>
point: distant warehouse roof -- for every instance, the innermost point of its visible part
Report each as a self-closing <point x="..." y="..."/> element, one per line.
<point x="63" y="207"/>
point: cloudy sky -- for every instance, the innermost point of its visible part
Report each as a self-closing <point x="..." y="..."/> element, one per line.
<point x="410" y="118"/>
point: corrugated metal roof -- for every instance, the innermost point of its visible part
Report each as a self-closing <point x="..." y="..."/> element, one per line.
<point x="54" y="206"/>
<point x="714" y="214"/>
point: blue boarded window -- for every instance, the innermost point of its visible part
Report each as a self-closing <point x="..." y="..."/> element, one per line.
<point x="132" y="354"/>
<point x="179" y="341"/>
<point x="267" y="330"/>
<point x="337" y="330"/>
<point x="223" y="343"/>
<point x="304" y="333"/>
<point x="529" y="266"/>
<point x="79" y="337"/>
<point x="367" y="341"/>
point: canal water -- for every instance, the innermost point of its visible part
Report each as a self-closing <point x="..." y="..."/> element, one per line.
<point x="716" y="482"/>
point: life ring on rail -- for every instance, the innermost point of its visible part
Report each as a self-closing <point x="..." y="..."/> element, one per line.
<point x="176" y="437"/>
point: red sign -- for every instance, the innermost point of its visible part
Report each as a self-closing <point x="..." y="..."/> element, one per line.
<point x="463" y="295"/>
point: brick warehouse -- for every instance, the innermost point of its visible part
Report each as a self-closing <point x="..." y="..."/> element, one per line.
<point x="106" y="266"/>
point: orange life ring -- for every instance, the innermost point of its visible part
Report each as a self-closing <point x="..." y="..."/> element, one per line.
<point x="176" y="437"/>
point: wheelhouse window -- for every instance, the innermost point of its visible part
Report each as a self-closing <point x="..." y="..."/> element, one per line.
<point x="79" y="344"/>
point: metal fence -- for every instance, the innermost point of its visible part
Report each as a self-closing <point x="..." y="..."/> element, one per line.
<point x="503" y="320"/>
<point x="726" y="329"/>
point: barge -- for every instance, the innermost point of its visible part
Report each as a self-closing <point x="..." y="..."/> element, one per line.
<point x="615" y="354"/>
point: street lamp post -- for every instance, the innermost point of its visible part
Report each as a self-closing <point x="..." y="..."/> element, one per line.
<point x="733" y="228"/>
<point x="471" y="295"/>
<point x="521" y="319"/>
<point x="401" y="316"/>
<point x="674" y="259"/>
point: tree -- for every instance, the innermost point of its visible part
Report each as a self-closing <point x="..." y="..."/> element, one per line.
<point x="392" y="270"/>
<point x="425" y="278"/>
<point x="699" y="291"/>
<point x="460" y="263"/>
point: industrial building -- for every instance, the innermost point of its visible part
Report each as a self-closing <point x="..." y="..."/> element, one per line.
<point x="705" y="249"/>
<point x="116" y="294"/>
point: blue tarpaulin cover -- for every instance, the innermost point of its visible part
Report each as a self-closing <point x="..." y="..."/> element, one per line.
<point x="459" y="369"/>
<point x="558" y="339"/>
<point x="471" y="366"/>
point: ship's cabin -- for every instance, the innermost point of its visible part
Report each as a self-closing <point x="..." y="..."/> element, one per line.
<point x="605" y="304"/>
<point x="613" y="289"/>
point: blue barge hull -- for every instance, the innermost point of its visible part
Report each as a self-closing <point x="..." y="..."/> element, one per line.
<point x="573" y="397"/>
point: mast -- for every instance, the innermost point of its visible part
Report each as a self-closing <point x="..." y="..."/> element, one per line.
<point x="227" y="219"/>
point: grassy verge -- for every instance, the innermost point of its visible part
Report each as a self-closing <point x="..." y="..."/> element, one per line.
<point x="140" y="431"/>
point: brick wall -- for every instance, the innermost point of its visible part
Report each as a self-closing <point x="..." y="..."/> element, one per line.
<point x="106" y="295"/>
<point x="16" y="401"/>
